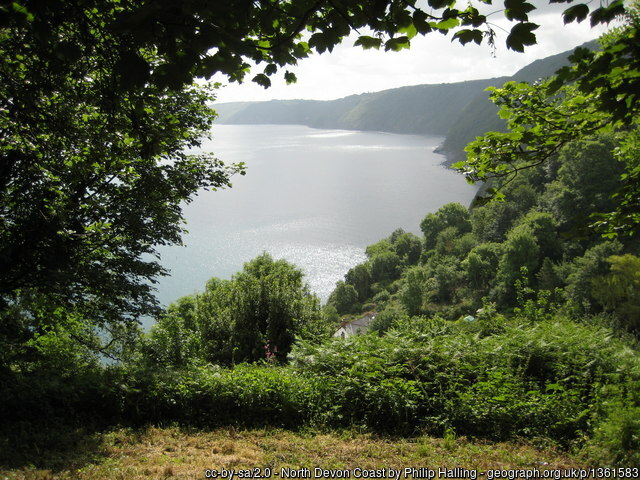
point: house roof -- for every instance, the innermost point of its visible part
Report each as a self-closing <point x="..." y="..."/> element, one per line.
<point x="354" y="327"/>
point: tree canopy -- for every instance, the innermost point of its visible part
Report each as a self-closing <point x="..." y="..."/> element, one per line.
<point x="254" y="316"/>
<point x="196" y="38"/>
<point x="544" y="117"/>
<point x="93" y="173"/>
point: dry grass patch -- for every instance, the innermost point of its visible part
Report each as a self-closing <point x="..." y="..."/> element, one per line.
<point x="177" y="453"/>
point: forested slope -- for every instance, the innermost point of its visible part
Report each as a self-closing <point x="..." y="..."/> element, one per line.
<point x="420" y="109"/>
<point x="480" y="115"/>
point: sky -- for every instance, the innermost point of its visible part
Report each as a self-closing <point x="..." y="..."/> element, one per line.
<point x="432" y="59"/>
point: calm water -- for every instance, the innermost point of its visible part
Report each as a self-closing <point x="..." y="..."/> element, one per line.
<point x="314" y="197"/>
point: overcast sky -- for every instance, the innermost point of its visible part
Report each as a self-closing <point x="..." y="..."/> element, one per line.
<point x="431" y="59"/>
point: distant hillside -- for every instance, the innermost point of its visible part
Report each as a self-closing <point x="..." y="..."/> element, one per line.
<point x="420" y="109"/>
<point x="460" y="111"/>
<point x="480" y="115"/>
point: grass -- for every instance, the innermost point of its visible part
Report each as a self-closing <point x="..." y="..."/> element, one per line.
<point x="174" y="452"/>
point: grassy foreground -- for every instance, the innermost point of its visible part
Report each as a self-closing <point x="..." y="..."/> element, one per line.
<point x="179" y="453"/>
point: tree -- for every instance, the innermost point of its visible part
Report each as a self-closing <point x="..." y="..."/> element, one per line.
<point x="481" y="264"/>
<point x="175" y="338"/>
<point x="431" y="225"/>
<point x="619" y="290"/>
<point x="269" y="306"/>
<point x="597" y="95"/>
<point x="261" y="310"/>
<point x="548" y="277"/>
<point x="449" y="278"/>
<point x="413" y="290"/>
<point x="491" y="222"/>
<point x="455" y="215"/>
<point x="408" y="247"/>
<point x="584" y="269"/>
<point x="344" y="297"/>
<point x="93" y="172"/>
<point x="385" y="267"/>
<point x="544" y="228"/>
<point x="520" y="251"/>
<point x="583" y="185"/>
<point x="446" y="241"/>
<point x="197" y="39"/>
<point x="626" y="216"/>
<point x="451" y="215"/>
<point x="360" y="278"/>
<point x="378" y="248"/>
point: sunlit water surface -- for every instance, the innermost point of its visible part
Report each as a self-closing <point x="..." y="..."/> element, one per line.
<point x="314" y="197"/>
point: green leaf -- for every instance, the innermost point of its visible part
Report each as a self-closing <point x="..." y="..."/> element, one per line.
<point x="22" y="10"/>
<point x="270" y="69"/>
<point x="133" y="70"/>
<point x="607" y="14"/>
<point x="368" y="42"/>
<point x="420" y="21"/>
<point x="576" y="13"/>
<point x="447" y="24"/>
<point x="410" y="31"/>
<point x="262" y="79"/>
<point x="521" y="35"/>
<point x="290" y="77"/>
<point x="440" y="3"/>
<point x="466" y="36"/>
<point x="518" y="10"/>
<point x="301" y="49"/>
<point x="318" y="42"/>
<point x="396" y="44"/>
<point x="555" y="85"/>
<point x="580" y="54"/>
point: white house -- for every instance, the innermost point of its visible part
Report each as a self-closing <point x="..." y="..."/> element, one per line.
<point x="355" y="327"/>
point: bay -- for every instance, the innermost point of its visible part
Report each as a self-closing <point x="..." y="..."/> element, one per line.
<point x="314" y="197"/>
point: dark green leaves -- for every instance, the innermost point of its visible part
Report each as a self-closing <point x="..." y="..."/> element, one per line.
<point x="68" y="52"/>
<point x="87" y="193"/>
<point x="421" y="23"/>
<point x="598" y="95"/>
<point x="262" y="80"/>
<point x="205" y="38"/>
<point x="132" y="70"/>
<point x="22" y="11"/>
<point x="607" y="14"/>
<point x="322" y="41"/>
<point x="521" y="35"/>
<point x="290" y="77"/>
<point x="576" y="13"/>
<point x="396" y="44"/>
<point x="466" y="36"/>
<point x="581" y="54"/>
<point x="270" y="69"/>
<point x="440" y="3"/>
<point x="368" y="42"/>
<point x="518" y="10"/>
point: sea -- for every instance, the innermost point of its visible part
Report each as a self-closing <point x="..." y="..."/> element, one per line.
<point x="314" y="197"/>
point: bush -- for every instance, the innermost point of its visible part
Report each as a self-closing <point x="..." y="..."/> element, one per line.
<point x="617" y="439"/>
<point x="555" y="378"/>
<point x="532" y="380"/>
